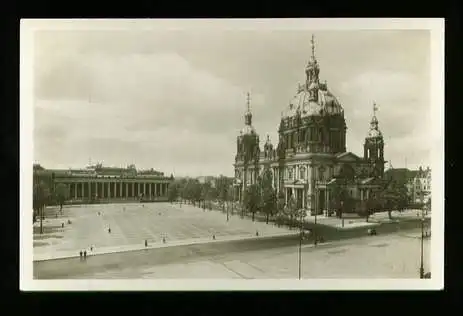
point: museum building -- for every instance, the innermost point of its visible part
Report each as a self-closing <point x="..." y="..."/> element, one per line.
<point x="99" y="183"/>
<point x="310" y="159"/>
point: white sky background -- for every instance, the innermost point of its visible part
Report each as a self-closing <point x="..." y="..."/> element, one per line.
<point x="174" y="100"/>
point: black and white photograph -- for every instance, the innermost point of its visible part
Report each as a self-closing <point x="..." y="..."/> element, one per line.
<point x="232" y="154"/>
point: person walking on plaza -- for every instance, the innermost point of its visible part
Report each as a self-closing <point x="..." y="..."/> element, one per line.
<point x="80" y="253"/>
<point x="109" y="230"/>
<point x="146" y="242"/>
<point x="85" y="254"/>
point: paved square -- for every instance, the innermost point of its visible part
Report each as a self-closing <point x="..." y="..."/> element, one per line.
<point x="132" y="223"/>
<point x="390" y="256"/>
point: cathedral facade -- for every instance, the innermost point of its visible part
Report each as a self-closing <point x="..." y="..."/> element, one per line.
<point x="310" y="159"/>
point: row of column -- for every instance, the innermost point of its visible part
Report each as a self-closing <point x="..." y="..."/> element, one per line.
<point x="117" y="189"/>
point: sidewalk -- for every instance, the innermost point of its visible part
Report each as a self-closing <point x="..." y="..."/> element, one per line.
<point x="156" y="245"/>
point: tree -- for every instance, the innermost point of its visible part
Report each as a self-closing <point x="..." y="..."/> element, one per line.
<point x="41" y="197"/>
<point x="393" y="197"/>
<point x="291" y="209"/>
<point x="268" y="194"/>
<point x="252" y="199"/>
<point x="173" y="192"/>
<point x="61" y="194"/>
<point x="269" y="202"/>
<point x="212" y="195"/>
<point x="338" y="197"/>
<point x="223" y="188"/>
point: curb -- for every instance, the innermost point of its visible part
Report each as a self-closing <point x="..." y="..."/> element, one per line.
<point x="171" y="245"/>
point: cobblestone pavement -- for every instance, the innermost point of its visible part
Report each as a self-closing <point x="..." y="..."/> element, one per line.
<point x="391" y="256"/>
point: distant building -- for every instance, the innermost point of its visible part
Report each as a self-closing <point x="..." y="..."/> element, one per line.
<point x="311" y="158"/>
<point x="97" y="182"/>
<point x="419" y="186"/>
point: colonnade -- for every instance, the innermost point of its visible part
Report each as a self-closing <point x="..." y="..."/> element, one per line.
<point x="120" y="189"/>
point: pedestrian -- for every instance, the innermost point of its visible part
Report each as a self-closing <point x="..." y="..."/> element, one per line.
<point x="257" y="233"/>
<point x="109" y="230"/>
<point x="146" y="243"/>
<point x="80" y="253"/>
<point x="213" y="237"/>
<point x="62" y="225"/>
<point x="91" y="248"/>
<point x="164" y="239"/>
<point x="85" y="254"/>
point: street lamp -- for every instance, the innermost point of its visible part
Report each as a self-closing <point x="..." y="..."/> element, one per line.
<point x="421" y="261"/>
<point x="315" y="224"/>
<point x="300" y="244"/>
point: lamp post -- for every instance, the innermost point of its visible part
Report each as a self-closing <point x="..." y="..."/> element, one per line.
<point x="315" y="222"/>
<point x="300" y="244"/>
<point x="421" y="260"/>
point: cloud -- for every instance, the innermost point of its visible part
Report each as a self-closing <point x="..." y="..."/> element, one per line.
<point x="175" y="99"/>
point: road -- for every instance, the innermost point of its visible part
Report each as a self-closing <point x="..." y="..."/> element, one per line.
<point x="384" y="256"/>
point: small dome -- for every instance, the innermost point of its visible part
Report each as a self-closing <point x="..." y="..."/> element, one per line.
<point x="374" y="133"/>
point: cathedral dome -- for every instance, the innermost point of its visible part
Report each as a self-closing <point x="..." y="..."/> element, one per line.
<point x="302" y="102"/>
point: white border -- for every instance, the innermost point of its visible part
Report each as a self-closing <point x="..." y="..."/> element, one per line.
<point x="436" y="26"/>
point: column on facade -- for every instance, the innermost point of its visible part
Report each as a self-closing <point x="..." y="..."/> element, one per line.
<point x="109" y="189"/>
<point x="327" y="196"/>
<point x="75" y="191"/>
<point x="310" y="192"/>
<point x="133" y="189"/>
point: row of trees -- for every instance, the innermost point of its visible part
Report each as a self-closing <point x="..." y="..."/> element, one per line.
<point x="43" y="194"/>
<point x="262" y="198"/>
<point x="258" y="198"/>
<point x="200" y="194"/>
<point x="392" y="197"/>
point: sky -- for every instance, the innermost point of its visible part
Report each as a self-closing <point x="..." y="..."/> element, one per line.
<point x="174" y="100"/>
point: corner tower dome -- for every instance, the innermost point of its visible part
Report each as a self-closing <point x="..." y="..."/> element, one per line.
<point x="313" y="97"/>
<point x="374" y="129"/>
<point x="248" y="128"/>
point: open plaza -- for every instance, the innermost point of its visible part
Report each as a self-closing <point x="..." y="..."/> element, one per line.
<point x="395" y="256"/>
<point x="132" y="230"/>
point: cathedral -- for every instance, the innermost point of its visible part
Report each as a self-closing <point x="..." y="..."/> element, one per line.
<point x="310" y="159"/>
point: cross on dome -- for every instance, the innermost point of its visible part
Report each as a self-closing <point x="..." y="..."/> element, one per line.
<point x="312" y="41"/>
<point x="248" y="101"/>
